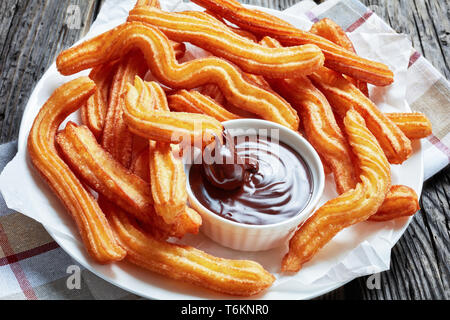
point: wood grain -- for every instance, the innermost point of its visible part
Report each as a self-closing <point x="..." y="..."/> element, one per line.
<point x="32" y="32"/>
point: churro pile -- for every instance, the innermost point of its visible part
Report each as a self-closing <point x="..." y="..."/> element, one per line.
<point x="127" y="149"/>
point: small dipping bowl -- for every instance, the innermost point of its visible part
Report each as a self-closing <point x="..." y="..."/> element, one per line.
<point x="248" y="237"/>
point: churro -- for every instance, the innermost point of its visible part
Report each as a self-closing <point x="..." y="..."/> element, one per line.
<point x="93" y="112"/>
<point x="117" y="139"/>
<point x="234" y="277"/>
<point x="350" y="207"/>
<point x="188" y="75"/>
<point x="93" y="227"/>
<point x="401" y="201"/>
<point x="212" y="35"/>
<point x="319" y="125"/>
<point x="330" y="30"/>
<point x="264" y="24"/>
<point x="117" y="184"/>
<point x="343" y="95"/>
<point x="320" y="128"/>
<point x="167" y="177"/>
<point x="103" y="173"/>
<point x="195" y="102"/>
<point x="166" y="126"/>
<point x="414" y="125"/>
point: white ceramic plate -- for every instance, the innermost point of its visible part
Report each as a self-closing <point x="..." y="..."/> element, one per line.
<point x="366" y="243"/>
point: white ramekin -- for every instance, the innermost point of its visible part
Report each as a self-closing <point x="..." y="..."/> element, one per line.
<point x="246" y="237"/>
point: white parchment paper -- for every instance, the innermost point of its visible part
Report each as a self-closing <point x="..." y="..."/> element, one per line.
<point x="359" y="250"/>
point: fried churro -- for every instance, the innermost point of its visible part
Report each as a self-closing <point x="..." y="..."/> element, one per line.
<point x="117" y="139"/>
<point x="93" y="227"/>
<point x="114" y="182"/>
<point x="320" y="128"/>
<point x="167" y="177"/>
<point x="166" y="126"/>
<point x="234" y="277"/>
<point x="93" y="112"/>
<point x="195" y="102"/>
<point x="264" y="24"/>
<point x="350" y="207"/>
<point x="103" y="173"/>
<point x="188" y="75"/>
<point x="319" y="125"/>
<point x="401" y="201"/>
<point x="343" y="95"/>
<point x="212" y="35"/>
<point x="330" y="30"/>
<point x="415" y="125"/>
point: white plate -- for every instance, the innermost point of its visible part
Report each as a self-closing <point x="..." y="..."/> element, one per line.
<point x="359" y="250"/>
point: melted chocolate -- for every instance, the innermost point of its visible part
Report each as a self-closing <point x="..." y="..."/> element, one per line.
<point x="267" y="183"/>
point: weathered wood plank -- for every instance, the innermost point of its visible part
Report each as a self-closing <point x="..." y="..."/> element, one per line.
<point x="32" y="32"/>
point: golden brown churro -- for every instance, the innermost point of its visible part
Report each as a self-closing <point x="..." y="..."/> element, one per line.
<point x="264" y="24"/>
<point x="330" y="30"/>
<point x="234" y="277"/>
<point x="116" y="183"/>
<point x="415" y="125"/>
<point x="320" y="128"/>
<point x="401" y="201"/>
<point x="161" y="60"/>
<point x="319" y="125"/>
<point x="94" y="229"/>
<point x="212" y="35"/>
<point x="167" y="177"/>
<point x="166" y="126"/>
<point x="103" y="173"/>
<point x="93" y="112"/>
<point x="117" y="139"/>
<point x="195" y="102"/>
<point x="349" y="208"/>
<point x="343" y="95"/>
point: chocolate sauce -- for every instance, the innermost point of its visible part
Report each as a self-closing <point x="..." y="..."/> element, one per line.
<point x="267" y="183"/>
<point x="229" y="170"/>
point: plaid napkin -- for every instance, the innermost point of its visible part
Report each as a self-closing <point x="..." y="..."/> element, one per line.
<point x="33" y="266"/>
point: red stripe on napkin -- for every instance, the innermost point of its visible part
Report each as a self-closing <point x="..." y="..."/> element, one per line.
<point x="359" y="22"/>
<point x="16" y="268"/>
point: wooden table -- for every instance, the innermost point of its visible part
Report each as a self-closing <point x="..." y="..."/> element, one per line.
<point x="33" y="32"/>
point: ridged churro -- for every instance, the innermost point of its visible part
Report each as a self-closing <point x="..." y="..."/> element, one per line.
<point x="414" y="125"/>
<point x="117" y="139"/>
<point x="167" y="177"/>
<point x="117" y="184"/>
<point x="330" y="30"/>
<point x="195" y="102"/>
<point x="401" y="201"/>
<point x="93" y="112"/>
<point x="93" y="227"/>
<point x="178" y="47"/>
<point x="264" y="24"/>
<point x="234" y="277"/>
<point x="320" y="128"/>
<point x="166" y="126"/>
<point x="212" y="35"/>
<point x="103" y="173"/>
<point x="168" y="181"/>
<point x="319" y="125"/>
<point x="343" y="95"/>
<point x="188" y="75"/>
<point x="349" y="208"/>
